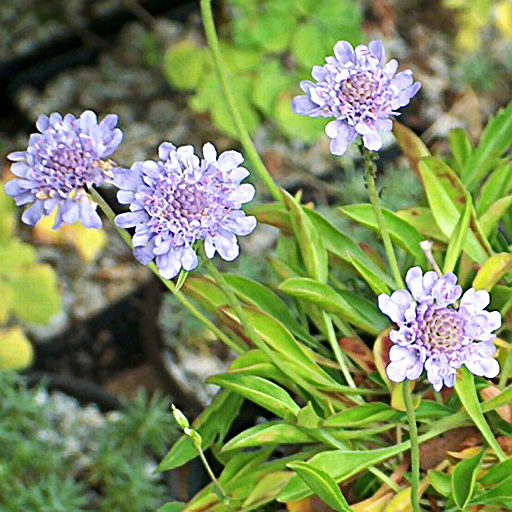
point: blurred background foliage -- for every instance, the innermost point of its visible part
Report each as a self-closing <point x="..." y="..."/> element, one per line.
<point x="269" y="48"/>
<point x="55" y="456"/>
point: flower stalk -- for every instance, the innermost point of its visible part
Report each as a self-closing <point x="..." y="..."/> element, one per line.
<point x="370" y="170"/>
<point x="220" y="67"/>
<point x="415" y="447"/>
<point x="232" y="344"/>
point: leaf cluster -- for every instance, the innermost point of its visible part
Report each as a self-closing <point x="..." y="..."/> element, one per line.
<point x="320" y="429"/>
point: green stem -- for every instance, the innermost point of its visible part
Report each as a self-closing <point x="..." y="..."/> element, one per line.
<point x="245" y="139"/>
<point x="340" y="356"/>
<point x="233" y="300"/>
<point x="415" y="450"/>
<point x="220" y="491"/>
<point x="105" y="208"/>
<point x="369" y="173"/>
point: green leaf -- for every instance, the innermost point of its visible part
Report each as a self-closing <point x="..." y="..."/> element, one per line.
<point x="410" y="144"/>
<point x="184" y="63"/>
<point x="422" y="219"/>
<point x="497" y="185"/>
<point x="465" y="388"/>
<point x="295" y="126"/>
<point x="463" y="479"/>
<point x="181" y="279"/>
<point x="341" y="465"/>
<point x="360" y="415"/>
<point x="400" y="231"/>
<point x="461" y="148"/>
<point x="458" y="238"/>
<point x="7" y="215"/>
<point x="205" y="292"/>
<point x="490" y="218"/>
<point x="492" y="271"/>
<point x="442" y="197"/>
<point x="257" y="294"/>
<point x="272" y="432"/>
<point x="16" y="351"/>
<point x="35" y="295"/>
<point x="344" y="247"/>
<point x="498" y="493"/>
<point x="495" y="141"/>
<point x="221" y="115"/>
<point x="307" y="417"/>
<point x="260" y="391"/>
<point x="441" y="482"/>
<point x="322" y="484"/>
<point x="172" y="506"/>
<point x="310" y="243"/>
<point x="270" y="82"/>
<point x="273" y="29"/>
<point x="331" y="301"/>
<point x="376" y="284"/>
<point x="280" y="339"/>
<point x="498" y="473"/>
<point x="341" y="19"/>
<point x="308" y="45"/>
<point x="212" y="423"/>
<point x="267" y="489"/>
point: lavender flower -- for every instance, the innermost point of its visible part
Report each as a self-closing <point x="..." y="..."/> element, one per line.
<point x="181" y="199"/>
<point x="59" y="163"/>
<point x="436" y="335"/>
<point x="359" y="91"/>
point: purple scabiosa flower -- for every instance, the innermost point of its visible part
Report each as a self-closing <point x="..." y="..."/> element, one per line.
<point x="359" y="91"/>
<point x="433" y="333"/>
<point x="181" y="199"/>
<point x="59" y="163"/>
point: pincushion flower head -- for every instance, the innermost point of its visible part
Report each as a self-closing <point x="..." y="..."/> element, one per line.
<point x="181" y="199"/>
<point x="60" y="162"/>
<point x="359" y="91"/>
<point x="436" y="335"/>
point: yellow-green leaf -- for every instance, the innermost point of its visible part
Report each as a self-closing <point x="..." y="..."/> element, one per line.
<point x="16" y="352"/>
<point x="492" y="271"/>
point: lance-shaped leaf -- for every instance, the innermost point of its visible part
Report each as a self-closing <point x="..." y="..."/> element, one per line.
<point x="497" y="494"/>
<point x="446" y="199"/>
<point x="490" y="218"/>
<point x="497" y="185"/>
<point x="465" y="388"/>
<point x="463" y="479"/>
<point x="341" y="465"/>
<point x="400" y="231"/>
<point x="492" y="271"/>
<point x="410" y="144"/>
<point x="344" y="247"/>
<point x="361" y="415"/>
<point x="322" y="484"/>
<point x="328" y="299"/>
<point x="260" y="391"/>
<point x="273" y="432"/>
<point x="258" y="295"/>
<point x="282" y="341"/>
<point x="267" y="489"/>
<point x="495" y="141"/>
<point x="458" y="238"/>
<point x="311" y="244"/>
<point x="422" y="219"/>
<point x="376" y="284"/>
<point x="461" y="148"/>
